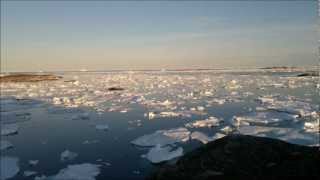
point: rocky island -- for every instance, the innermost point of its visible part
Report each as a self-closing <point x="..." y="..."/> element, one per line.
<point x="28" y="77"/>
<point x="240" y="156"/>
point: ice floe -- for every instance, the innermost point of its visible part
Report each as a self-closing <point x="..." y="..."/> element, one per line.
<point x="84" y="171"/>
<point x="160" y="154"/>
<point x="68" y="155"/>
<point x="4" y="144"/>
<point x="286" y="134"/>
<point x="29" y="173"/>
<point x="210" y="122"/>
<point x="103" y="127"/>
<point x="9" y="129"/>
<point x="33" y="162"/>
<point x="265" y="118"/>
<point x="163" y="137"/>
<point x="204" y="138"/>
<point x="9" y="167"/>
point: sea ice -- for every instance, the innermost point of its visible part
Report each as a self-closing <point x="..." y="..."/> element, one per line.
<point x="265" y="118"/>
<point x="84" y="171"/>
<point x="103" y="127"/>
<point x="286" y="134"/>
<point x="14" y="117"/>
<point x="201" y="137"/>
<point x="204" y="138"/>
<point x="9" y="167"/>
<point x="9" y="129"/>
<point x="163" y="137"/>
<point x="210" y="122"/>
<point x="29" y="173"/>
<point x="312" y="126"/>
<point x="5" y="145"/>
<point x="33" y="162"/>
<point x="68" y="155"/>
<point x="159" y="154"/>
<point x="82" y="116"/>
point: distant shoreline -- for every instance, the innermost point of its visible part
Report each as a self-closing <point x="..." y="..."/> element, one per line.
<point x="275" y="68"/>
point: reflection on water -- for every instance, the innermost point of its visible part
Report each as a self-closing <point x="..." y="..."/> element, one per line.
<point x="94" y="128"/>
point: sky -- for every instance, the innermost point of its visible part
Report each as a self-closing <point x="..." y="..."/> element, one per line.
<point x="109" y="35"/>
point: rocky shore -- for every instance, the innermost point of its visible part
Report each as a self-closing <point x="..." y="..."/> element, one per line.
<point x="240" y="156"/>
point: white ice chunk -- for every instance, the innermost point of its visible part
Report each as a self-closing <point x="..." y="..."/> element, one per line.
<point x="159" y="154"/>
<point x="286" y="134"/>
<point x="9" y="129"/>
<point x="163" y="137"/>
<point x="29" y="173"/>
<point x="33" y="162"/>
<point x="9" y="167"/>
<point x="5" y="145"/>
<point x="210" y="122"/>
<point x="68" y="155"/>
<point x="201" y="137"/>
<point x="84" y="171"/>
<point x="82" y="116"/>
<point x="103" y="127"/>
<point x="312" y="126"/>
<point x="264" y="118"/>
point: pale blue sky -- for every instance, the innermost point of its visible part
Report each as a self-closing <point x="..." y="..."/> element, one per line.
<point x="103" y="35"/>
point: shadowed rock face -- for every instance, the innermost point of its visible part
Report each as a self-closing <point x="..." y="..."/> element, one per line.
<point x="308" y="74"/>
<point x="240" y="156"/>
<point x="28" y="78"/>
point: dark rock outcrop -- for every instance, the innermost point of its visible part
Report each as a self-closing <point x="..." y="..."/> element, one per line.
<point x="240" y="156"/>
<point x="308" y="74"/>
<point x="28" y="78"/>
<point x="115" y="89"/>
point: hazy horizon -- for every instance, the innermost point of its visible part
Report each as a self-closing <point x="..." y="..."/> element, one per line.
<point x="107" y="35"/>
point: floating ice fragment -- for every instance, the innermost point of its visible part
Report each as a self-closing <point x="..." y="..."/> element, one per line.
<point x="9" y="129"/>
<point x="33" y="162"/>
<point x="201" y="137"/>
<point x="5" y="145"/>
<point x="312" y="126"/>
<point x="163" y="137"/>
<point x="200" y="108"/>
<point x="84" y="171"/>
<point x="82" y="116"/>
<point x="227" y="129"/>
<point x="286" y="134"/>
<point x="159" y="154"/>
<point x="9" y="167"/>
<point x="210" y="122"/>
<point x="204" y="138"/>
<point x="13" y="117"/>
<point x="29" y="173"/>
<point x="152" y="115"/>
<point x="42" y="177"/>
<point x="90" y="142"/>
<point x="264" y="118"/>
<point x="68" y="155"/>
<point x="103" y="127"/>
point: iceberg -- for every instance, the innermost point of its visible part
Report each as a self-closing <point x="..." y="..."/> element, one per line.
<point x="160" y="154"/>
<point x="9" y="167"/>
